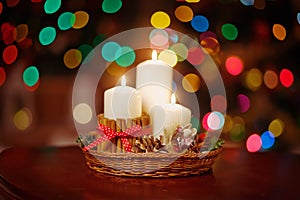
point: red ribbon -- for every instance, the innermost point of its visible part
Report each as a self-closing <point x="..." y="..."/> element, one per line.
<point x="109" y="134"/>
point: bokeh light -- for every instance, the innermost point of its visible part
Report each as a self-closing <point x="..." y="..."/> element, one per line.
<point x="72" y="58"/>
<point x="2" y="76"/>
<point x="192" y="1"/>
<point x="10" y="54"/>
<point x="211" y="45"/>
<point x="51" y="6"/>
<point x="276" y="127"/>
<point x="21" y="32"/>
<point x="66" y="20"/>
<point x="127" y="56"/>
<point x="253" y="79"/>
<point x="267" y="139"/>
<point x="7" y="31"/>
<point x="31" y="76"/>
<point x="191" y="83"/>
<point x="81" y="19"/>
<point x="247" y="2"/>
<point x="115" y="70"/>
<point x="200" y="23"/>
<point x="85" y="50"/>
<point x="184" y="13"/>
<point x="234" y="65"/>
<point x="111" y="51"/>
<point x="34" y="87"/>
<point x="279" y="31"/>
<point x="98" y="39"/>
<point x="229" y="31"/>
<point x="215" y="120"/>
<point x="181" y="51"/>
<point x="298" y="17"/>
<point x="159" y="37"/>
<point x="111" y="6"/>
<point x="238" y="131"/>
<point x="286" y="78"/>
<point x="195" y="123"/>
<point x="23" y="119"/>
<point x="1" y="7"/>
<point x="219" y="103"/>
<point x="253" y="143"/>
<point x="271" y="79"/>
<point x="168" y="56"/>
<point x="47" y="35"/>
<point x="207" y="34"/>
<point x="160" y="19"/>
<point x="228" y="124"/>
<point x="12" y="3"/>
<point x="195" y="56"/>
<point x="204" y="121"/>
<point x="82" y="113"/>
<point x="243" y="102"/>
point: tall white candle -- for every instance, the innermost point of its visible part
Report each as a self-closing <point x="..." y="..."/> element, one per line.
<point x="154" y="82"/>
<point x="167" y="117"/>
<point x="122" y="102"/>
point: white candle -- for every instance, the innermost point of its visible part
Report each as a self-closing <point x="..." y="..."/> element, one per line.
<point x="154" y="82"/>
<point x="167" y="117"/>
<point x="122" y="102"/>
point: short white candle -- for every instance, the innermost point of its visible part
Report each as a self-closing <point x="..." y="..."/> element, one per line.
<point x="167" y="117"/>
<point x="154" y="82"/>
<point x="122" y="102"/>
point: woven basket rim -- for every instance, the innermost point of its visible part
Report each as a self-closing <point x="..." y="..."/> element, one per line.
<point x="156" y="155"/>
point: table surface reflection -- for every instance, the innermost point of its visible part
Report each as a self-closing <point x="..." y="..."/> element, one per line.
<point x="61" y="173"/>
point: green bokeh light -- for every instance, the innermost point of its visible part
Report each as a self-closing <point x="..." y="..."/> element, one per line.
<point x="51" y="6"/>
<point x="31" y="76"/>
<point x="127" y="57"/>
<point x="229" y="31"/>
<point x="85" y="50"/>
<point x="111" y="6"/>
<point x="66" y="20"/>
<point x="111" y="51"/>
<point x="47" y="35"/>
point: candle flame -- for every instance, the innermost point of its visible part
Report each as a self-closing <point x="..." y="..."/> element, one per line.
<point x="173" y="99"/>
<point x="123" y="81"/>
<point x="154" y="55"/>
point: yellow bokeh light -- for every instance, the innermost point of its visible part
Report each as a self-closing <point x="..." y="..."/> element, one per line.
<point x="228" y="125"/>
<point x="22" y="119"/>
<point x="81" y="19"/>
<point x="192" y="1"/>
<point x="279" y="31"/>
<point x="191" y="83"/>
<point x="181" y="50"/>
<point x="254" y="79"/>
<point x="160" y="19"/>
<point x="276" y="127"/>
<point x="72" y="58"/>
<point x="184" y="13"/>
<point x="168" y="56"/>
<point x="82" y="113"/>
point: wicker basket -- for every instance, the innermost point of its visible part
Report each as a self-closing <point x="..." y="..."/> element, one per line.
<point x="151" y="164"/>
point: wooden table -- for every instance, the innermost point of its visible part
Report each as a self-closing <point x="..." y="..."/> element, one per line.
<point x="61" y="173"/>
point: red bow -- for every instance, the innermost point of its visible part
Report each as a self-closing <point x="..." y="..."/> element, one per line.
<point x="109" y="134"/>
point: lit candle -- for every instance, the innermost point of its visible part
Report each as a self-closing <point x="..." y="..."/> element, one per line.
<point x="122" y="102"/>
<point x="167" y="117"/>
<point x="154" y="82"/>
